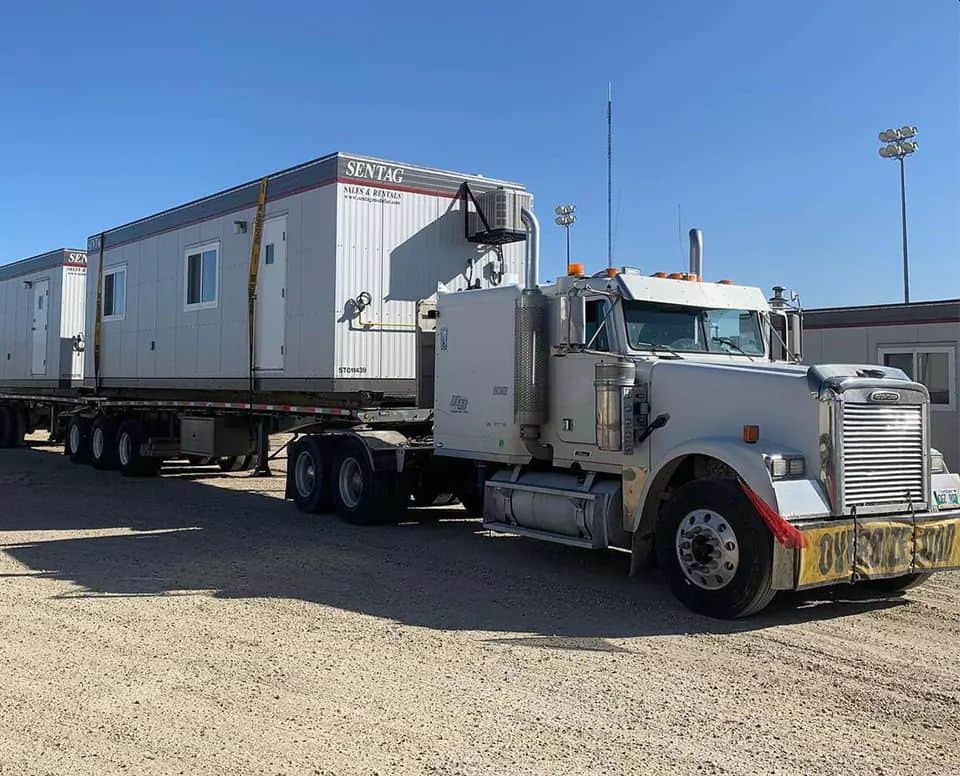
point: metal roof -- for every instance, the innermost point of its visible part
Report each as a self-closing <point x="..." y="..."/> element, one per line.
<point x="42" y="261"/>
<point x="912" y="313"/>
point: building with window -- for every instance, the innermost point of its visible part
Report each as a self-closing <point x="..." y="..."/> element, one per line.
<point x="921" y="338"/>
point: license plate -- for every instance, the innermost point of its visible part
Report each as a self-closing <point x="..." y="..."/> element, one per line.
<point x="948" y="497"/>
<point x="875" y="549"/>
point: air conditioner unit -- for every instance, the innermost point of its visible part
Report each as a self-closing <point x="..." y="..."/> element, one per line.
<point x="501" y="211"/>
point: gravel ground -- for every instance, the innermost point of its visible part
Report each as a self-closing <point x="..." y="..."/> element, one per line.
<point x="197" y="624"/>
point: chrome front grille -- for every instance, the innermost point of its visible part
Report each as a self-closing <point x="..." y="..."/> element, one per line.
<point x="883" y="455"/>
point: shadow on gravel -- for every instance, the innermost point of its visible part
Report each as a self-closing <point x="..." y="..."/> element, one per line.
<point x="438" y="570"/>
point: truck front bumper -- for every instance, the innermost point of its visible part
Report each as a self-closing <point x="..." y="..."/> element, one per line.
<point x="858" y="549"/>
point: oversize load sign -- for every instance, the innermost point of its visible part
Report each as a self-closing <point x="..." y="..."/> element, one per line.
<point x="873" y="549"/>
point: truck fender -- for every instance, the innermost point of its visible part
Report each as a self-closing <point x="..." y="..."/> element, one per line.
<point x="746" y="461"/>
<point x="379" y="445"/>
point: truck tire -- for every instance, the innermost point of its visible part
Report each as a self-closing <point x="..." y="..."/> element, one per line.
<point x="361" y="495"/>
<point x="7" y="426"/>
<point x="309" y="480"/>
<point x="130" y="436"/>
<point x="200" y="460"/>
<point x="236" y="463"/>
<point x="896" y="585"/>
<point x="103" y="443"/>
<point x="715" y="550"/>
<point x="77" y="443"/>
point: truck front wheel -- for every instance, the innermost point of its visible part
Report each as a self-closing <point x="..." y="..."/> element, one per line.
<point x="715" y="550"/>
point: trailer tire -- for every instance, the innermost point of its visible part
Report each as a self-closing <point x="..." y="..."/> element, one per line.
<point x="77" y="443"/>
<point x="236" y="463"/>
<point x="309" y="476"/>
<point x="7" y="426"/>
<point x="200" y="460"/>
<point x="103" y="443"/>
<point x="362" y="495"/>
<point x="130" y="437"/>
<point x="711" y="521"/>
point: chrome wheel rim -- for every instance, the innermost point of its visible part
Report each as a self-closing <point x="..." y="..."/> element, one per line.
<point x="74" y="438"/>
<point x="305" y="473"/>
<point x="707" y="549"/>
<point x="125" y="448"/>
<point x="97" y="443"/>
<point x="350" y="482"/>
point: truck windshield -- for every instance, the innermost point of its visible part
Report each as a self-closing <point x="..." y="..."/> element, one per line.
<point x="692" y="329"/>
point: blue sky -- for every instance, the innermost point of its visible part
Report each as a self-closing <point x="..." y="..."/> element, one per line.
<point x="758" y="118"/>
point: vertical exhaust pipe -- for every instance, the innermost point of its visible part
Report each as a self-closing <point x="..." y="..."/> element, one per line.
<point x="532" y="268"/>
<point x="696" y="253"/>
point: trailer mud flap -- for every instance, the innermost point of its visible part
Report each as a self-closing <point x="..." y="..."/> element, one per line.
<point x="853" y="551"/>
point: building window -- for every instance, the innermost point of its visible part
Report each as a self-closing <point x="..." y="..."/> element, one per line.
<point x="201" y="267"/>
<point x="114" y="293"/>
<point x="930" y="365"/>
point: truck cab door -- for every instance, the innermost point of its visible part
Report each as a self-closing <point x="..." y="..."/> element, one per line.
<point x="575" y="399"/>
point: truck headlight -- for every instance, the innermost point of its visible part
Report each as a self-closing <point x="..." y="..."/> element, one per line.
<point x="786" y="466"/>
<point x="937" y="464"/>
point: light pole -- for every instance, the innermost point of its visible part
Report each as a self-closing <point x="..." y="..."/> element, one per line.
<point x="899" y="146"/>
<point x="566" y="215"/>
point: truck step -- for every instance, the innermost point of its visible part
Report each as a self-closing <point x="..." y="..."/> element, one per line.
<point x="533" y="533"/>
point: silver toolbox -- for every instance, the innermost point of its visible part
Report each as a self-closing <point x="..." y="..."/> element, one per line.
<point x="218" y="436"/>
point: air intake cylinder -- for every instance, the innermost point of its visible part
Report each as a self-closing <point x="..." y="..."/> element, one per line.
<point x="613" y="383"/>
<point x="530" y="389"/>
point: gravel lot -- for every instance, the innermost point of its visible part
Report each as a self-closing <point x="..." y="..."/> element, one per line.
<point x="197" y="624"/>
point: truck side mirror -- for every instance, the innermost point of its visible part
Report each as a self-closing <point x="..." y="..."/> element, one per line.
<point x="572" y="320"/>
<point x="795" y="334"/>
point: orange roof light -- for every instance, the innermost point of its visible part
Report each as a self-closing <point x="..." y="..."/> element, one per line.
<point x="725" y="282"/>
<point x="612" y="272"/>
<point x="676" y="276"/>
<point x="659" y="274"/>
<point x="575" y="269"/>
<point x="693" y="276"/>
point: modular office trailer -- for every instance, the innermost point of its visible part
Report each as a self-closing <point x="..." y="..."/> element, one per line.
<point x="350" y="244"/>
<point x="42" y="320"/>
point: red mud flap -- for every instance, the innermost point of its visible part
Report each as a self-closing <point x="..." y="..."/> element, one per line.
<point x="856" y="550"/>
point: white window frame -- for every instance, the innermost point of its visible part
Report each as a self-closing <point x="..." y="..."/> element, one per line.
<point x="192" y="251"/>
<point x="115" y="269"/>
<point x="951" y="405"/>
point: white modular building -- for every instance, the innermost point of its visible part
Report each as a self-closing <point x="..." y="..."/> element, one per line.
<point x="350" y="245"/>
<point x="42" y="320"/>
<point x="921" y="338"/>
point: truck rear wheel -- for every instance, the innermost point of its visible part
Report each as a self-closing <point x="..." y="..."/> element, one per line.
<point x="308" y="476"/>
<point x="130" y="438"/>
<point x="103" y="443"/>
<point x="715" y="550"/>
<point x="362" y="495"/>
<point x="77" y="443"/>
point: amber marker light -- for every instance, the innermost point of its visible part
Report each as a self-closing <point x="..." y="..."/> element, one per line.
<point x="751" y="434"/>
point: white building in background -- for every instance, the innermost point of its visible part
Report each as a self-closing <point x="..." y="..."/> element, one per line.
<point x="921" y="338"/>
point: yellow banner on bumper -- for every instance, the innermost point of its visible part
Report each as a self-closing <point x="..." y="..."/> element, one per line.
<point x="845" y="550"/>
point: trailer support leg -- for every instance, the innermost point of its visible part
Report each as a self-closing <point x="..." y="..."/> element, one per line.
<point x="262" y="468"/>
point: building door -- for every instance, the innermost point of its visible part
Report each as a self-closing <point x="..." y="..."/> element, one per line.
<point x="271" y="320"/>
<point x="41" y="303"/>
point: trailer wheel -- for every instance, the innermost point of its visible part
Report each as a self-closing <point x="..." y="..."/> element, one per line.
<point x="715" y="550"/>
<point x="130" y="438"/>
<point x="103" y="443"/>
<point x="363" y="496"/>
<point x="236" y="463"/>
<point x="308" y="476"/>
<point x="7" y="426"/>
<point x="78" y="440"/>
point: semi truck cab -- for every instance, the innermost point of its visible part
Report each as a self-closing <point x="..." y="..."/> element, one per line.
<point x="674" y="418"/>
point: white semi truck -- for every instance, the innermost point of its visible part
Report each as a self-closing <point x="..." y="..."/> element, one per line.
<point x="662" y="415"/>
